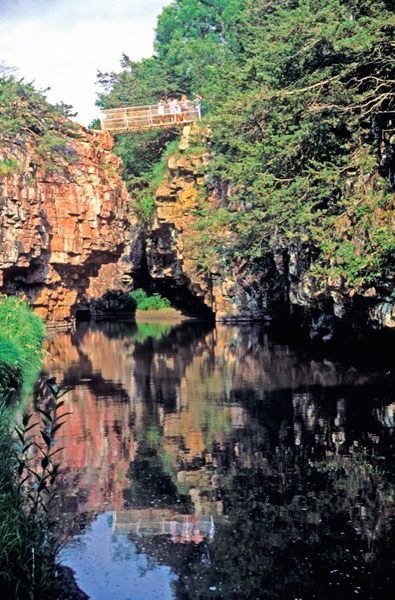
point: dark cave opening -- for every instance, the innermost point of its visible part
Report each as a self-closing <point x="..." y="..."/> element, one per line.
<point x="180" y="296"/>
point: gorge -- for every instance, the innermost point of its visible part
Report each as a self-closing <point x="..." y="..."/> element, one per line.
<point x="245" y="449"/>
<point x="67" y="239"/>
<point x="279" y="207"/>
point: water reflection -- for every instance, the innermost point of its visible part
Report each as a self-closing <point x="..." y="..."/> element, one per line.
<point x="231" y="465"/>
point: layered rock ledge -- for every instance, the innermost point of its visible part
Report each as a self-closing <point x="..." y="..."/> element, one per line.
<point x="64" y="237"/>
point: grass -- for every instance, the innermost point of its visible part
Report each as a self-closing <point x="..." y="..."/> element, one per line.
<point x="27" y="547"/>
<point x="21" y="336"/>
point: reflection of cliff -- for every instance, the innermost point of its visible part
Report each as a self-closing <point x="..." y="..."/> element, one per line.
<point x="167" y="419"/>
<point x="250" y="470"/>
<point x="182" y="528"/>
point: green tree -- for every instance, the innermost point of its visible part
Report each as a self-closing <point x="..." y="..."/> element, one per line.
<point x="299" y="127"/>
<point x="301" y="97"/>
<point x="192" y="37"/>
<point x="138" y="83"/>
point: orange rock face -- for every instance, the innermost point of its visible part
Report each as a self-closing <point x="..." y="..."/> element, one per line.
<point x="178" y="254"/>
<point x="64" y="238"/>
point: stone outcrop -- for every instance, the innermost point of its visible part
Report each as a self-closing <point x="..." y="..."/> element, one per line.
<point x="174" y="252"/>
<point x="284" y="285"/>
<point x="65" y="237"/>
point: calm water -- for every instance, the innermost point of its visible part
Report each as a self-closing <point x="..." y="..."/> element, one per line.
<point x="214" y="463"/>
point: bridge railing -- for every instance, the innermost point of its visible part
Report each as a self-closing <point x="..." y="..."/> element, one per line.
<point x="133" y="118"/>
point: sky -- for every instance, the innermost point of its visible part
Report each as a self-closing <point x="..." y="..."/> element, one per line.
<point x="62" y="44"/>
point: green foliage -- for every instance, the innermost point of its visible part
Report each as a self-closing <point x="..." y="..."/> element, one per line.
<point x="194" y="41"/>
<point x="21" y="336"/>
<point x="95" y="124"/>
<point x="37" y="486"/>
<point x="209" y="238"/>
<point x="146" y="302"/>
<point x="26" y="114"/>
<point x="11" y="375"/>
<point x="301" y="96"/>
<point x="139" y="83"/>
<point x="10" y="166"/>
<point x="140" y="151"/>
<point x="194" y="38"/>
<point x="143" y="187"/>
<point x="298" y="128"/>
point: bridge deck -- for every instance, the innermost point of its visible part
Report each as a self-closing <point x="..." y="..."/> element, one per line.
<point x="137" y="118"/>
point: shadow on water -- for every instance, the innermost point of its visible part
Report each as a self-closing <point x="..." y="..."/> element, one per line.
<point x="216" y="462"/>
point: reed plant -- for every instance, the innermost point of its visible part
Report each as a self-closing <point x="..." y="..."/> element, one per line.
<point x="28" y="474"/>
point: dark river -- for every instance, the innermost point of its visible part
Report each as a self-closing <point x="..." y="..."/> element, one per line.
<point x="218" y="463"/>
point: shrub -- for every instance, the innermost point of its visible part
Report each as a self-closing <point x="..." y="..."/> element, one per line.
<point x="26" y="114"/>
<point x="9" y="167"/>
<point x="142" y="187"/>
<point x="145" y="302"/>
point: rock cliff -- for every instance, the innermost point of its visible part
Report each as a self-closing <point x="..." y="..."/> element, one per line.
<point x="68" y="238"/>
<point x="179" y="255"/>
<point x="64" y="237"/>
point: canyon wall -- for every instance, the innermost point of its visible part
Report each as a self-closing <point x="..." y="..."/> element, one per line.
<point x="64" y="236"/>
<point x="68" y="238"/>
<point x="282" y="287"/>
<point x="176" y="251"/>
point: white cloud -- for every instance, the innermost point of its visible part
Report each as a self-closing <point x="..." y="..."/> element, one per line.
<point x="62" y="44"/>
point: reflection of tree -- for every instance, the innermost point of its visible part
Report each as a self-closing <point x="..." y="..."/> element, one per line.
<point x="296" y="526"/>
<point x="307" y="490"/>
<point x="305" y="527"/>
<point x="150" y="486"/>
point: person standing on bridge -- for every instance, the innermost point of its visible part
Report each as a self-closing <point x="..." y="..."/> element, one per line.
<point x="178" y="110"/>
<point x="197" y="103"/>
<point x="172" y="109"/>
<point x="161" y="110"/>
<point x="184" y="106"/>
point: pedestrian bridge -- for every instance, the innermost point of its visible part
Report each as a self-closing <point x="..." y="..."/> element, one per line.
<point x="137" y="118"/>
